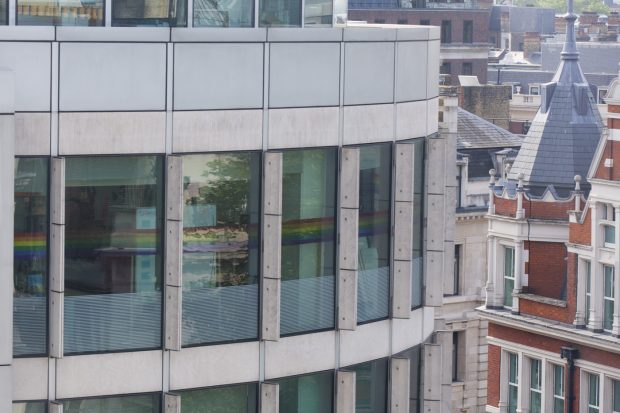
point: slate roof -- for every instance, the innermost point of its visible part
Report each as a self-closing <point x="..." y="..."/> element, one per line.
<point x="524" y="19"/>
<point x="526" y="77"/>
<point x="473" y="132"/>
<point x="565" y="132"/>
<point x="593" y="57"/>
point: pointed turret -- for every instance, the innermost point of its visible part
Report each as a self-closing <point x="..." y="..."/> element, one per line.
<point x="565" y="132"/>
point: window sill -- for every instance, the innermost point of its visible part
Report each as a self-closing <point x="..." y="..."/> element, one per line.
<point x="544" y="300"/>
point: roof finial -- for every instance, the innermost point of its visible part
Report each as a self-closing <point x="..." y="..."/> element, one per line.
<point x="569" y="52"/>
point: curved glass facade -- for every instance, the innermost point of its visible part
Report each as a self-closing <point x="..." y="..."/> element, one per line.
<point x="143" y="403"/>
<point x="242" y="398"/>
<point x="311" y="393"/>
<point x="417" y="253"/>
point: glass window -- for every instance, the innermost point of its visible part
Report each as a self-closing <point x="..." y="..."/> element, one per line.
<point x="610" y="235"/>
<point x="113" y="253"/>
<point x="29" y="407"/>
<point x="535" y="386"/>
<point x="457" y="270"/>
<point x="373" y="287"/>
<point x="30" y="256"/>
<point x="4" y="12"/>
<point x="279" y="13"/>
<point x="168" y="13"/>
<point x="226" y="13"/>
<point x="221" y="247"/>
<point x="371" y="386"/>
<point x="468" y="31"/>
<point x="608" y="309"/>
<point x="413" y="354"/>
<point x="312" y="393"/>
<point x="417" y="260"/>
<point x="509" y="275"/>
<point x="60" y="13"/>
<point x="228" y="399"/>
<point x="308" y="233"/>
<point x="593" y="393"/>
<point x="455" y="356"/>
<point x="145" y="403"/>
<point x="446" y="31"/>
<point x="558" y="389"/>
<point x="588" y="269"/>
<point x="616" y="390"/>
<point x="318" y="13"/>
<point x="513" y="382"/>
<point x="467" y="69"/>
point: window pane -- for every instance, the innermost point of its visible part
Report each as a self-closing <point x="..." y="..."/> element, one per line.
<point x="610" y="234"/>
<point x="318" y="13"/>
<point x="609" y="282"/>
<point x="535" y="402"/>
<point x="60" y="13"/>
<point x="535" y="378"/>
<point x="509" y="285"/>
<point x="148" y="403"/>
<point x="308" y="233"/>
<point x="229" y="399"/>
<point x="280" y="13"/>
<point x="30" y="257"/>
<point x="172" y="13"/>
<point x="417" y="262"/>
<point x="307" y="394"/>
<point x="558" y="405"/>
<point x="512" y="398"/>
<point x="221" y="247"/>
<point x="371" y="386"/>
<point x="113" y="253"/>
<point x="593" y="390"/>
<point x="616" y="385"/>
<point x="29" y="407"/>
<point x="3" y="11"/>
<point x="608" y="309"/>
<point x="558" y="381"/>
<point x="373" y="288"/>
<point x="513" y="366"/>
<point x="224" y="13"/>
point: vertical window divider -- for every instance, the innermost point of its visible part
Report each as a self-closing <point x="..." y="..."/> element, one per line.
<point x="12" y="13"/>
<point x="172" y="403"/>
<point x="173" y="253"/>
<point x="57" y="258"/>
<point x="107" y="9"/>
<point x="269" y="397"/>
<point x="399" y="384"/>
<point x="345" y="391"/>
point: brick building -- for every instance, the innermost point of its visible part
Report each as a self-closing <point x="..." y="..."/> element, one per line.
<point x="553" y="251"/>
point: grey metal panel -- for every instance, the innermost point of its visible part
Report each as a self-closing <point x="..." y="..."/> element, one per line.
<point x="403" y="185"/>
<point x="432" y="74"/>
<point x="347" y="299"/>
<point x="410" y="74"/>
<point x="31" y="65"/>
<point x="401" y="298"/>
<point x="112" y="34"/>
<point x="27" y="33"/>
<point x="349" y="177"/>
<point x="172" y="403"/>
<point x="7" y="98"/>
<point x="270" y="311"/>
<point x="433" y="276"/>
<point x="403" y="230"/>
<point x="348" y="238"/>
<point x="272" y="248"/>
<point x="57" y="257"/>
<point x="6" y="386"/>
<point x="369" y="73"/>
<point x="174" y="253"/>
<point x="218" y="76"/>
<point x="399" y="385"/>
<point x="269" y="398"/>
<point x="57" y="191"/>
<point x="56" y="323"/>
<point x="7" y="209"/>
<point x="367" y="33"/>
<point x="55" y="407"/>
<point x="304" y="74"/>
<point x="436" y="221"/>
<point x="216" y="34"/>
<point x="290" y="34"/>
<point x="174" y="187"/>
<point x="345" y="392"/>
<point x="432" y="371"/>
<point x="272" y="171"/>
<point x="173" y="317"/>
<point x="117" y="76"/>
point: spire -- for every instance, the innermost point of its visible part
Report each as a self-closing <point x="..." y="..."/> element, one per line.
<point x="569" y="52"/>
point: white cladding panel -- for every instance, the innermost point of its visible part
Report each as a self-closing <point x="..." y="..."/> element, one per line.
<point x="30" y="378"/>
<point x="369" y="73"/>
<point x="112" y="76"/>
<point x="410" y="74"/>
<point x="304" y="74"/>
<point x="32" y="134"/>
<point x="218" y="76"/>
<point x="300" y="354"/>
<point x="432" y="73"/>
<point x="31" y="65"/>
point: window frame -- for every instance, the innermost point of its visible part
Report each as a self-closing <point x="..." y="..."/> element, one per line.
<point x="508" y="302"/>
<point x="536" y="388"/>
<point x="558" y="396"/>
<point x="608" y="298"/>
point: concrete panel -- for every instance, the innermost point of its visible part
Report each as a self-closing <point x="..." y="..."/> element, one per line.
<point x="348" y="238"/>
<point x="293" y="34"/>
<point x="368" y="124"/>
<point x="5" y="388"/>
<point x="433" y="276"/>
<point x="173" y="322"/>
<point x="431" y="354"/>
<point x="31" y="65"/>
<point x="403" y="230"/>
<point x="303" y="127"/>
<point x="105" y="374"/>
<point x="221" y="130"/>
<point x="349" y="177"/>
<point x="404" y="159"/>
<point x="270" y="309"/>
<point x="218" y="76"/>
<point x="174" y="188"/>
<point x="111" y="133"/>
<point x="432" y="62"/>
<point x="347" y="300"/>
<point x="304" y="74"/>
<point x="412" y="120"/>
<point x="174" y="253"/>
<point x="32" y="134"/>
<point x="270" y="397"/>
<point x="30" y="378"/>
<point x="117" y="76"/>
<point x="401" y="298"/>
<point x="117" y="34"/>
<point x="368" y="342"/>
<point x="407" y="332"/>
<point x="172" y="403"/>
<point x="7" y="212"/>
<point x="55" y="407"/>
<point x="436" y="221"/>
<point x="56" y="324"/>
<point x="300" y="354"/>
<point x="410" y="73"/>
<point x="272" y="248"/>
<point x="272" y="193"/>
<point x="214" y="365"/>
<point x="57" y="258"/>
<point x="216" y="34"/>
<point x="436" y="165"/>
<point x="345" y="392"/>
<point x="368" y="73"/>
<point x="399" y="385"/>
<point x="7" y="99"/>
<point x="57" y="191"/>
<point x="432" y="126"/>
<point x="23" y="33"/>
<point x="368" y="33"/>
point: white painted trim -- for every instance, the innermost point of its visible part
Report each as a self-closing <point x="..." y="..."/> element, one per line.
<point x="530" y="352"/>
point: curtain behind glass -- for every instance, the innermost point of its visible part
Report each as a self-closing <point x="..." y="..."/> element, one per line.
<point x="148" y="403"/>
<point x="371" y="386"/>
<point x="228" y="399"/>
<point x="374" y="232"/>
<point x="308" y="233"/>
<point x="29" y="407"/>
<point x="113" y="253"/>
<point x="60" y="13"/>
<point x="30" y="256"/>
<point x="311" y="393"/>
<point x="221" y="247"/>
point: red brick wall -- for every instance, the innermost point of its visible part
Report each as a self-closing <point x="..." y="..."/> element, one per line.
<point x="505" y="207"/>
<point x="581" y="233"/>
<point x="612" y="150"/>
<point x="548" y="210"/>
<point x="546" y="268"/>
<point x="543" y="310"/>
<point x="494" y="360"/>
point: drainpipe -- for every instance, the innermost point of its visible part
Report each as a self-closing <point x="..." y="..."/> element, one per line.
<point x="570" y="354"/>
